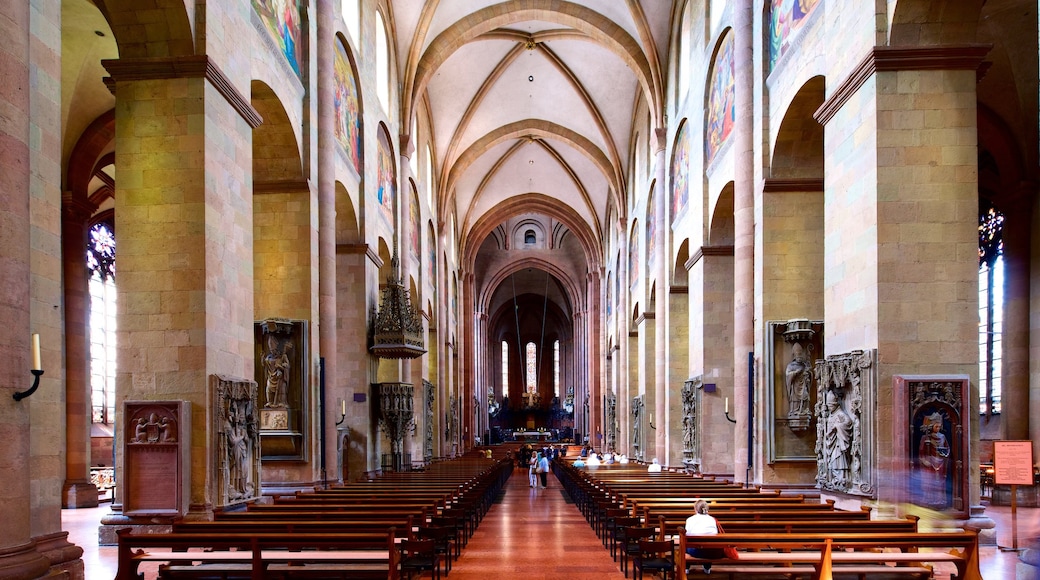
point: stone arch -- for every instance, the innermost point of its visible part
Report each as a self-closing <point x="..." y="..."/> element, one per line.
<point x="721" y="227"/>
<point x="680" y="275"/>
<point x="274" y="139"/>
<point x="793" y="212"/>
<point x="532" y="129"/>
<point x="348" y="229"/>
<point x="532" y="203"/>
<point x="162" y="29"/>
<point x="931" y="22"/>
<point x="798" y="147"/>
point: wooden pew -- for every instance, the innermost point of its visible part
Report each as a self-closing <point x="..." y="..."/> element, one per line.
<point x="826" y="554"/>
<point x="258" y="556"/>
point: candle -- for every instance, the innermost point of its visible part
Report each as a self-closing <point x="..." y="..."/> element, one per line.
<point x="36" y="352"/>
<point x="342" y="406"/>
<point x="727" y="405"/>
<point x="651" y="417"/>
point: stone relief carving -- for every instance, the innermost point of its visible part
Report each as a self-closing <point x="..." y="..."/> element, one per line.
<point x="159" y="427"/>
<point x="637" y="426"/>
<point x="236" y="418"/>
<point x="612" y="422"/>
<point x="797" y="383"/>
<point x="430" y="392"/>
<point x="691" y="436"/>
<point x="396" y="413"/>
<point x="844" y="416"/>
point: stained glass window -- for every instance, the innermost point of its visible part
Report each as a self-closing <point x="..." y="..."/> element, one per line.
<point x="531" y="355"/>
<point x="505" y="368"/>
<point x="101" y="266"/>
<point x="556" y="368"/>
<point x="991" y="306"/>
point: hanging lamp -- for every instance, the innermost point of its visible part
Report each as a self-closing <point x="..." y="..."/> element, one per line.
<point x="398" y="331"/>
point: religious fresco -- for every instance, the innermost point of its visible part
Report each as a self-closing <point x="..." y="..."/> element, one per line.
<point x="937" y="442"/>
<point x="651" y="235"/>
<point x="281" y="18"/>
<point x="610" y="295"/>
<point x="633" y="258"/>
<point x="785" y="18"/>
<point x="386" y="179"/>
<point x="414" y="231"/>
<point x="679" y="173"/>
<point x="722" y="110"/>
<point x="348" y="113"/>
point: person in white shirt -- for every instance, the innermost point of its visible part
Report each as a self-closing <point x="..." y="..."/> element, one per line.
<point x="701" y="524"/>
<point x="654" y="466"/>
<point x="593" y="459"/>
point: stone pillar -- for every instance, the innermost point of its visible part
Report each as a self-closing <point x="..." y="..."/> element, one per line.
<point x="659" y="441"/>
<point x="185" y="214"/>
<point x="744" y="229"/>
<point x="624" y="344"/>
<point x="918" y="176"/>
<point x="77" y="491"/>
<point x="1015" y="372"/>
<point x="327" y="15"/>
<point x="468" y="386"/>
<point x="18" y="556"/>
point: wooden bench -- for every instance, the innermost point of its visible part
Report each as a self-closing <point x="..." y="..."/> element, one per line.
<point x="259" y="556"/>
<point x="824" y="555"/>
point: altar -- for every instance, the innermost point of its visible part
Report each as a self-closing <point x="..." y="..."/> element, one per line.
<point x="534" y="435"/>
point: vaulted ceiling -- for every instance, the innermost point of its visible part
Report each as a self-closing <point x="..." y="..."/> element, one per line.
<point x="531" y="97"/>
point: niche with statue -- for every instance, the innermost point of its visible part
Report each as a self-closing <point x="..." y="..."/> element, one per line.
<point x="281" y="373"/>
<point x="791" y="348"/>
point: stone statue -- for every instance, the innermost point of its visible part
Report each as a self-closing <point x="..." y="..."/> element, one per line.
<point x="933" y="454"/>
<point x="797" y="380"/>
<point x="837" y="437"/>
<point x="276" y="369"/>
<point x="239" y="443"/>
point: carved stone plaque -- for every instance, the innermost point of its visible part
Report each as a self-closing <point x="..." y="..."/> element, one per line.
<point x="156" y="457"/>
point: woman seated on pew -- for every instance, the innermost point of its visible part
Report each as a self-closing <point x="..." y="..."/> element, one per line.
<point x="701" y="524"/>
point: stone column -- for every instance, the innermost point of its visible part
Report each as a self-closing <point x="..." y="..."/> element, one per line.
<point x="624" y="323"/>
<point x="660" y="385"/>
<point x="744" y="229"/>
<point x="77" y="491"/>
<point x="1015" y="372"/>
<point x="185" y="211"/>
<point x="327" y="14"/>
<point x="18" y="556"/>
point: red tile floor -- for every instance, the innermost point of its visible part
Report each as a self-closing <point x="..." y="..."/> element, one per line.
<point x="534" y="534"/>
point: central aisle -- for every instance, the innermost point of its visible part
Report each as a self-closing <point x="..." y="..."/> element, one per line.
<point x="534" y="534"/>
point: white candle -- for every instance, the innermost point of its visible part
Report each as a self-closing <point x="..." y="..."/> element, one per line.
<point x="651" y="417"/>
<point x="342" y="406"/>
<point x="36" y="352"/>
<point x="727" y="405"/>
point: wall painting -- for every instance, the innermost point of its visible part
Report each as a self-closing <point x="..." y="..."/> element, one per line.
<point x="721" y="104"/>
<point x="348" y="113"/>
<point x="386" y="180"/>
<point x="680" y="172"/>
<point x="281" y="18"/>
<point x="786" y="17"/>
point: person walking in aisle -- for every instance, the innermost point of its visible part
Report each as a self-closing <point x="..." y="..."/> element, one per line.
<point x="543" y="469"/>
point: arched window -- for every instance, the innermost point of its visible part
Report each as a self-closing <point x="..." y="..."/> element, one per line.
<point x="991" y="306"/>
<point x="683" y="70"/>
<point x="352" y="18"/>
<point x="505" y="368"/>
<point x="430" y="170"/>
<point x="382" y="64"/>
<point x="529" y="237"/>
<point x="101" y="266"/>
<point x="556" y="368"/>
<point x="532" y="354"/>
